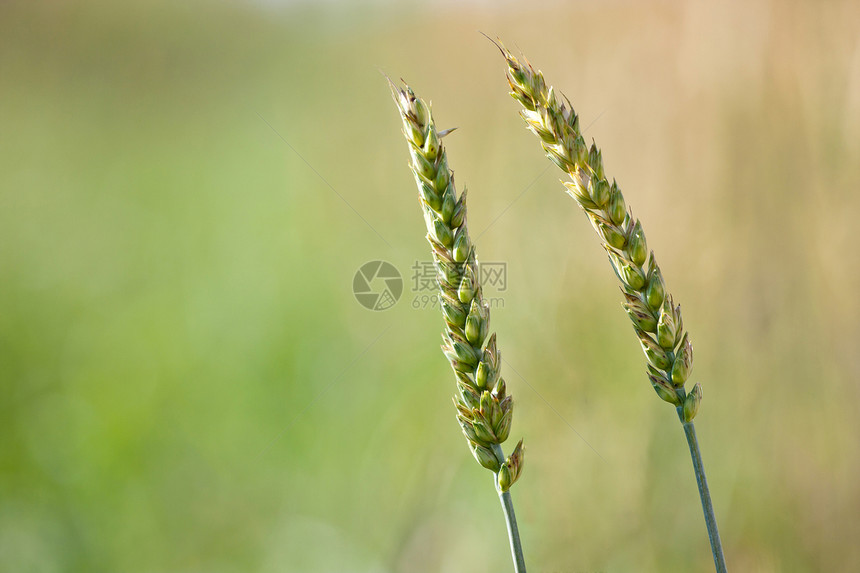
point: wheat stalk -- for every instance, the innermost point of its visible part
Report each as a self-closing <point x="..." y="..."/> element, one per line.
<point x="656" y="319"/>
<point x="484" y="410"/>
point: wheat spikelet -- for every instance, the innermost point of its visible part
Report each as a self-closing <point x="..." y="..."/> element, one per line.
<point x="484" y="410"/>
<point x="655" y="317"/>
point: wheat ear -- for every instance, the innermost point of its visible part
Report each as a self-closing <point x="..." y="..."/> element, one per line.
<point x="484" y="410"/>
<point x="656" y="319"/>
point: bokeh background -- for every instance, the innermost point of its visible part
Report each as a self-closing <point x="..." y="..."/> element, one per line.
<point x="187" y="383"/>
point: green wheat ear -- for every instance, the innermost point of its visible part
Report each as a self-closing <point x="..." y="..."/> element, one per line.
<point x="655" y="317"/>
<point x="484" y="409"/>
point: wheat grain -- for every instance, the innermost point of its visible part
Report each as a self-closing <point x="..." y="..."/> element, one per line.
<point x="484" y="409"/>
<point x="655" y="316"/>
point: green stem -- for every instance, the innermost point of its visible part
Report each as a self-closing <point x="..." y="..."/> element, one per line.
<point x="705" y="494"/>
<point x="511" y="519"/>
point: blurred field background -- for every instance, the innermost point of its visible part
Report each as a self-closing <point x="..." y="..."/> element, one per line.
<point x="187" y="383"/>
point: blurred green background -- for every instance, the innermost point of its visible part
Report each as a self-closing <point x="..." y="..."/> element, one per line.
<point x="187" y="383"/>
